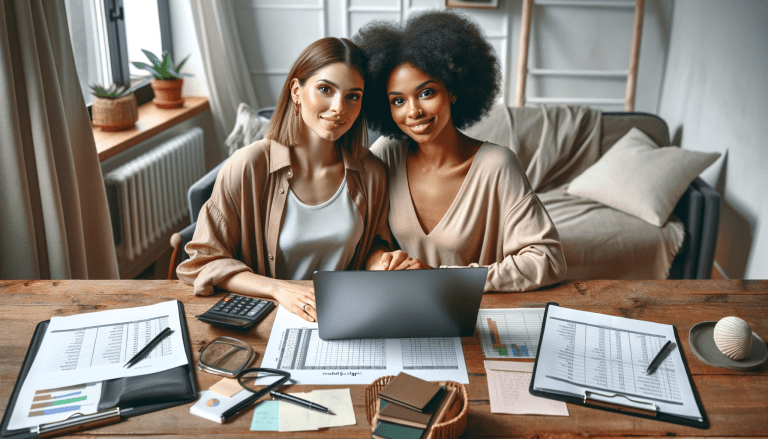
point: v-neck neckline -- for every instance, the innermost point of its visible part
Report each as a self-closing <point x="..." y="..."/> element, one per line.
<point x="451" y="208"/>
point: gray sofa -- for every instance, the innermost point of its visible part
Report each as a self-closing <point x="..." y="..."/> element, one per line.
<point x="694" y="224"/>
<point x="698" y="208"/>
<point x="555" y="144"/>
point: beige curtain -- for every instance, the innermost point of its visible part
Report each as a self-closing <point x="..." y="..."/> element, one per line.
<point x="226" y="68"/>
<point x="54" y="219"/>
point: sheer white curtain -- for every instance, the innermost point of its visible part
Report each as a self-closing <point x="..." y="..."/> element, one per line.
<point x="54" y="219"/>
<point x="226" y="68"/>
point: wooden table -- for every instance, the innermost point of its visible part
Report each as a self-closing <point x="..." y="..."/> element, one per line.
<point x="736" y="403"/>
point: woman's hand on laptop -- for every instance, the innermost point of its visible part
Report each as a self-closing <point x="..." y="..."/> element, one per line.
<point x="397" y="260"/>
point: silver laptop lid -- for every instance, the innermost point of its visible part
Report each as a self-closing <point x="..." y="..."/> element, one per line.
<point x="398" y="304"/>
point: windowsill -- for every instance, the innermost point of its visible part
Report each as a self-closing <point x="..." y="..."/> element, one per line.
<point x="152" y="120"/>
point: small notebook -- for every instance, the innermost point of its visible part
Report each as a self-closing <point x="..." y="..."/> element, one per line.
<point x="387" y="430"/>
<point x="410" y="391"/>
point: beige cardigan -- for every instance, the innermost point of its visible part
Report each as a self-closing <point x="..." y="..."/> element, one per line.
<point x="238" y="227"/>
<point x="496" y="221"/>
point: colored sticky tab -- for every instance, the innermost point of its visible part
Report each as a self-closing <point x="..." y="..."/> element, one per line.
<point x="228" y="387"/>
<point x="266" y="416"/>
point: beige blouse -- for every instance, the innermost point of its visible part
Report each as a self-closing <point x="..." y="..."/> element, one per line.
<point x="496" y="221"/>
<point x="238" y="227"/>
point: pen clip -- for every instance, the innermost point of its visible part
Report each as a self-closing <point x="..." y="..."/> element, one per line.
<point x="631" y="405"/>
<point x="77" y="422"/>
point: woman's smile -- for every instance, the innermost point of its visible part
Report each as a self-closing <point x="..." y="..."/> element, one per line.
<point x="420" y="104"/>
<point x="329" y="101"/>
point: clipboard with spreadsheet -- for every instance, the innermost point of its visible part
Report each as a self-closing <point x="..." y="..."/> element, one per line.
<point x="63" y="404"/>
<point x="600" y="361"/>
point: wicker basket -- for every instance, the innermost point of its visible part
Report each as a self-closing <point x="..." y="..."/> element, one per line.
<point x="456" y="416"/>
<point x="115" y="114"/>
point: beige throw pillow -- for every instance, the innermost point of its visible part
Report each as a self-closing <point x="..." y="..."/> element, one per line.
<point x="637" y="177"/>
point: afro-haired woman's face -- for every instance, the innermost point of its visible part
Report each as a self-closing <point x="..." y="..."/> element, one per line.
<point x="330" y="100"/>
<point x="420" y="104"/>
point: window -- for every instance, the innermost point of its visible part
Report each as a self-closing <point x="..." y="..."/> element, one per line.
<point x="107" y="34"/>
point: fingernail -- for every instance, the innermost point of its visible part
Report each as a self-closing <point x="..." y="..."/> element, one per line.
<point x="311" y="319"/>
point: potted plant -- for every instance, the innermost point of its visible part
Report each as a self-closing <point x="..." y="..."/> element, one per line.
<point x="167" y="80"/>
<point x="113" y="108"/>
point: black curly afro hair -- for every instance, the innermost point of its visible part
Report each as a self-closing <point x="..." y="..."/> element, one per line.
<point x="443" y="44"/>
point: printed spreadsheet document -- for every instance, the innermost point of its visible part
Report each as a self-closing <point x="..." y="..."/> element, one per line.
<point x="583" y="351"/>
<point x="294" y="345"/>
<point x="79" y="352"/>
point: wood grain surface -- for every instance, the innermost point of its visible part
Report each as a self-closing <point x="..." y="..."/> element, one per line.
<point x="736" y="403"/>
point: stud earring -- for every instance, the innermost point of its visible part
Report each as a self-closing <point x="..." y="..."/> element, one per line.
<point x="453" y="99"/>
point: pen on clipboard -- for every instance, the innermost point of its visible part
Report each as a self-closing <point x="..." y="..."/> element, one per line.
<point x="659" y="357"/>
<point x="78" y="422"/>
<point x="148" y="348"/>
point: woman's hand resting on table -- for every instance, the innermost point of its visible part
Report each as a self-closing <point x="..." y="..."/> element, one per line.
<point x="396" y="260"/>
<point x="297" y="297"/>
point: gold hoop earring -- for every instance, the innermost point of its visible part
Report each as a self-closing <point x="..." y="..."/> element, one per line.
<point x="296" y="108"/>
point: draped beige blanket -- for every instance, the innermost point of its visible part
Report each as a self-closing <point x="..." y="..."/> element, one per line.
<point x="555" y="144"/>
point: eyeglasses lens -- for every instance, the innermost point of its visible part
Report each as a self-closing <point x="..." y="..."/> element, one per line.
<point x="226" y="356"/>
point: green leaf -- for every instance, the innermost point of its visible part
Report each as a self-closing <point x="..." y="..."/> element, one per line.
<point x="181" y="64"/>
<point x="151" y="56"/>
<point x="149" y="68"/>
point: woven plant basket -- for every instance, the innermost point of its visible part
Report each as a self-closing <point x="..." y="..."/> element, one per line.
<point x="456" y="417"/>
<point x="114" y="114"/>
<point x="167" y="92"/>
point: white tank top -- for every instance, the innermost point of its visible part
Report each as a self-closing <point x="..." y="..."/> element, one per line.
<point x="321" y="237"/>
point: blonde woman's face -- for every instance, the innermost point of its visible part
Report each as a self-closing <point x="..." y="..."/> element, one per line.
<point x="330" y="101"/>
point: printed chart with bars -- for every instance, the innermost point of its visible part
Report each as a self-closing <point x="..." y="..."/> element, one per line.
<point x="61" y="400"/>
<point x="510" y="332"/>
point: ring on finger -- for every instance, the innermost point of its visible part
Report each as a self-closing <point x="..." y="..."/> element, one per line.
<point x="304" y="307"/>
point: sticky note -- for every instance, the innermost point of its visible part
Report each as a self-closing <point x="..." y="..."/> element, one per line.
<point x="266" y="416"/>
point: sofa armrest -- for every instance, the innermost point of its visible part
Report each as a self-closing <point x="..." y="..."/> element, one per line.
<point x="710" y="225"/>
<point x="200" y="192"/>
<point x="699" y="210"/>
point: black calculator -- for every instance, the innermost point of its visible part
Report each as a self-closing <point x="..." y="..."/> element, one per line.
<point x="237" y="312"/>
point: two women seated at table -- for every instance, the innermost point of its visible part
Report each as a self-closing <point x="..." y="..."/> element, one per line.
<point x="310" y="197"/>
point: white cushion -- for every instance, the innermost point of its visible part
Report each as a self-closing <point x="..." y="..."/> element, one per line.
<point x="637" y="177"/>
<point x="249" y="127"/>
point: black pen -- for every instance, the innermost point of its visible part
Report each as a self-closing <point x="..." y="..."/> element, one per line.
<point x="302" y="402"/>
<point x="148" y="348"/>
<point x="659" y="357"/>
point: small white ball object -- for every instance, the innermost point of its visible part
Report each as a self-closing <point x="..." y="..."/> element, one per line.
<point x="733" y="337"/>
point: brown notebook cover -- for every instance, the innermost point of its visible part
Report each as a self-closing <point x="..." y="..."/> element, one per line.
<point x="441" y="413"/>
<point x="409" y="391"/>
<point x="398" y="414"/>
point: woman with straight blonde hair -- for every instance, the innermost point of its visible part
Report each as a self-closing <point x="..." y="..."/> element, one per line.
<point x="308" y="197"/>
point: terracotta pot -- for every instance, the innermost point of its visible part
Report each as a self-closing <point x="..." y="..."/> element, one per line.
<point x="167" y="92"/>
<point x="114" y="114"/>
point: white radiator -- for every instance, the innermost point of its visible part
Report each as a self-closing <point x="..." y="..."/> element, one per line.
<point x="148" y="194"/>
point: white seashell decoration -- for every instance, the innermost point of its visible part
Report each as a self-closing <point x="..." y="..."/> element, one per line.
<point x="733" y="337"/>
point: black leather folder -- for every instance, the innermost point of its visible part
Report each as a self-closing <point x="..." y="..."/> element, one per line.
<point x="133" y="395"/>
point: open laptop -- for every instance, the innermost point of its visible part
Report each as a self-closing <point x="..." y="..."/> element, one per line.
<point x="441" y="302"/>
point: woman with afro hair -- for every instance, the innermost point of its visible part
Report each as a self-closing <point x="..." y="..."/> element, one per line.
<point x="454" y="200"/>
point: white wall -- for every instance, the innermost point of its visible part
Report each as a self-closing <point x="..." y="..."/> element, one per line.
<point x="715" y="96"/>
<point x="273" y="32"/>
